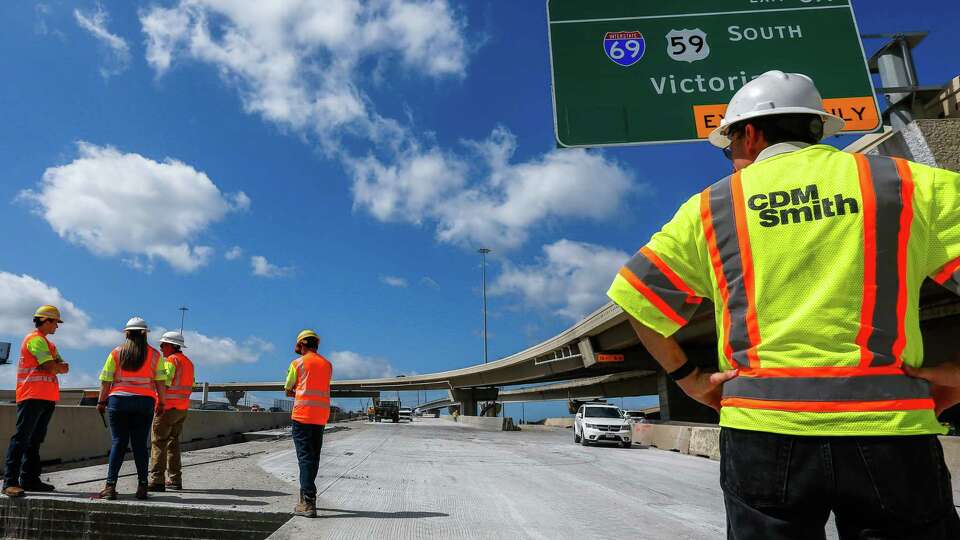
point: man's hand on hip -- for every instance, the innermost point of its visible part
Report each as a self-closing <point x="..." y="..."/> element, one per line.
<point x="944" y="383"/>
<point x="707" y="388"/>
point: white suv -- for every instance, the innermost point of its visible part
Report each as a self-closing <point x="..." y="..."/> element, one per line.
<point x="601" y="423"/>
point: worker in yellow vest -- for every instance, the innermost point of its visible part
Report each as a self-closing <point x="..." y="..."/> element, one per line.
<point x="813" y="260"/>
<point x="308" y="382"/>
<point x="165" y="444"/>
<point x="38" y="391"/>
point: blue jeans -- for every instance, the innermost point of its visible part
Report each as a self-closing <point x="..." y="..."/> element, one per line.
<point x="783" y="487"/>
<point x="308" y="440"/>
<point x="23" y="454"/>
<point x="130" y="419"/>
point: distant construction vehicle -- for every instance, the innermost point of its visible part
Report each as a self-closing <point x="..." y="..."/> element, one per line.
<point x="386" y="409"/>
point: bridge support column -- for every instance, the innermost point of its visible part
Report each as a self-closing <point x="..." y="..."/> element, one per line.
<point x="234" y="396"/>
<point x="469" y="397"/>
<point x="677" y="406"/>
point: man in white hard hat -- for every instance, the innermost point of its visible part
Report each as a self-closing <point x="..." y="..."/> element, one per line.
<point x="165" y="453"/>
<point x="38" y="391"/>
<point x="813" y="261"/>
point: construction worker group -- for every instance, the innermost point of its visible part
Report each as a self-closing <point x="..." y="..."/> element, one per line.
<point x="813" y="260"/>
<point x="143" y="390"/>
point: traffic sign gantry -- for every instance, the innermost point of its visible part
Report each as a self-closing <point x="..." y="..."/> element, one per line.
<point x="640" y="71"/>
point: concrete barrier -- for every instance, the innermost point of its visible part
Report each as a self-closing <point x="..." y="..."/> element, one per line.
<point x="705" y="442"/>
<point x="663" y="436"/>
<point x="485" y="423"/>
<point x="77" y="433"/>
<point x="566" y="422"/>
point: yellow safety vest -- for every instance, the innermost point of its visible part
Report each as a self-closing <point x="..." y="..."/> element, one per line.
<point x="813" y="260"/>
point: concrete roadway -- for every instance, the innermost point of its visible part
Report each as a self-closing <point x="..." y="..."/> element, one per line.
<point x="437" y="479"/>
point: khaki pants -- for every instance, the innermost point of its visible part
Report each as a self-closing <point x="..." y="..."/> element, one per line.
<point x="165" y="454"/>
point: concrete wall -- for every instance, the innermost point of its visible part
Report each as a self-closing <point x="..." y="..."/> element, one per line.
<point x="486" y="423"/>
<point x="76" y="433"/>
<point x="704" y="441"/>
<point x="565" y="422"/>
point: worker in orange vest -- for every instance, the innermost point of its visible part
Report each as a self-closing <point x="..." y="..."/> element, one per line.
<point x="132" y="390"/>
<point x="308" y="382"/>
<point x="37" y="393"/>
<point x="165" y="454"/>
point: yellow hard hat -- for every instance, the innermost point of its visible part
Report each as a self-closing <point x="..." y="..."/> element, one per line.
<point x="48" y="312"/>
<point x="304" y="334"/>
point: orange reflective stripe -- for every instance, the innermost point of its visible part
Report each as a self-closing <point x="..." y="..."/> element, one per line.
<point x="320" y="393"/>
<point x="946" y="272"/>
<point x="830" y="406"/>
<point x="869" y="258"/>
<point x="651" y="296"/>
<point x="312" y="403"/>
<point x="706" y="217"/>
<point x="825" y="371"/>
<point x="655" y="259"/>
<point x="906" y="221"/>
<point x="746" y="261"/>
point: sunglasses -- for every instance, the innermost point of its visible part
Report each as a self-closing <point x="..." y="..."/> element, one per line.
<point x="728" y="150"/>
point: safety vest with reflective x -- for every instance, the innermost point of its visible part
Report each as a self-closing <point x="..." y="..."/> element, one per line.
<point x="181" y="385"/>
<point x="139" y="382"/>
<point x="312" y="403"/>
<point x="814" y="261"/>
<point x="33" y="382"/>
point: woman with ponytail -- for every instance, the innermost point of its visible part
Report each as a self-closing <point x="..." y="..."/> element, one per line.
<point x="131" y="389"/>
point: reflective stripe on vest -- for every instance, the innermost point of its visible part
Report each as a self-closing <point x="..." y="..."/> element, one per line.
<point x="34" y="382"/>
<point x="140" y="382"/>
<point x="723" y="215"/>
<point x="878" y="383"/>
<point x="661" y="286"/>
<point x="312" y="403"/>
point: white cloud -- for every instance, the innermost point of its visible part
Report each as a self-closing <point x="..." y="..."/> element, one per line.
<point x="350" y="365"/>
<point x="570" y="280"/>
<point x="233" y="253"/>
<point x="296" y="62"/>
<point x="504" y="202"/>
<point x="117" y="48"/>
<point x="429" y="282"/>
<point x="394" y="281"/>
<point x="21" y="295"/>
<point x="264" y="268"/>
<point x="206" y="350"/>
<point x="303" y="65"/>
<point x="126" y="204"/>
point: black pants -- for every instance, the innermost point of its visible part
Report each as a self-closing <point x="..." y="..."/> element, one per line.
<point x="784" y="487"/>
<point x="308" y="440"/>
<point x="23" y="454"/>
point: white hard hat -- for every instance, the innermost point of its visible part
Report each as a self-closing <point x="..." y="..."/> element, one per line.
<point x="775" y="92"/>
<point x="173" y="338"/>
<point x="136" y="323"/>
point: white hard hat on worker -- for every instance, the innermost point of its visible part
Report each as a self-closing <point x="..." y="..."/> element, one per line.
<point x="173" y="338"/>
<point x="136" y="323"/>
<point x="775" y="93"/>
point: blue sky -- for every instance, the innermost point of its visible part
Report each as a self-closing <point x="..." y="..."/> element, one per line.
<point x="332" y="165"/>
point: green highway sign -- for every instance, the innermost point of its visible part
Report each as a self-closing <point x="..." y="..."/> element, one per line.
<point x="651" y="71"/>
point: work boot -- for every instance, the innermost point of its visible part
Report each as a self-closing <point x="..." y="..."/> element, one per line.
<point x="13" y="491"/>
<point x="307" y="507"/>
<point x="141" y="491"/>
<point x="171" y="485"/>
<point x="155" y="487"/>
<point x="37" y="485"/>
<point x="109" y="493"/>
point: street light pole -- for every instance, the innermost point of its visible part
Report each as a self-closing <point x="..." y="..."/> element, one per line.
<point x="183" y="313"/>
<point x="483" y="253"/>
